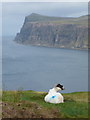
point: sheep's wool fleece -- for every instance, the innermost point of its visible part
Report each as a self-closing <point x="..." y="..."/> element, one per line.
<point x="53" y="97"/>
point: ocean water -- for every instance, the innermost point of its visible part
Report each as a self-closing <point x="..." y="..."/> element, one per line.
<point x="0" y="63"/>
<point x="40" y="68"/>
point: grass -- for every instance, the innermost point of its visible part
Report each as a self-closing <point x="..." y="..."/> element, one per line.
<point x="0" y="104"/>
<point x="30" y="104"/>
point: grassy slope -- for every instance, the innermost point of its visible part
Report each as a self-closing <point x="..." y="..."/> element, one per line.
<point x="30" y="104"/>
<point x="83" y="20"/>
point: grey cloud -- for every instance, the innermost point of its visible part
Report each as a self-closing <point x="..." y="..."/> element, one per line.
<point x="44" y="8"/>
<point x="14" y="13"/>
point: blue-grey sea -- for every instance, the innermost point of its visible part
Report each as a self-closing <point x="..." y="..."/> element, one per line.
<point x="40" y="68"/>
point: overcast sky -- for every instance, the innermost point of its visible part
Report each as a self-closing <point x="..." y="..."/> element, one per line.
<point x="13" y="14"/>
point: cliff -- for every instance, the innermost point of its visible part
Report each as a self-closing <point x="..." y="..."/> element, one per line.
<point x="63" y="32"/>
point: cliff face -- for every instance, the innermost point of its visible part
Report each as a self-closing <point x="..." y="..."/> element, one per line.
<point x="54" y="32"/>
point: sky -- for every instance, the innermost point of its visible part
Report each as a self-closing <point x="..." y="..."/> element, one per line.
<point x="45" y="0"/>
<point x="13" y="13"/>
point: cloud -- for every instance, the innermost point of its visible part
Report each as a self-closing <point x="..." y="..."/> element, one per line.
<point x="14" y="13"/>
<point x="43" y="8"/>
<point x="45" y="0"/>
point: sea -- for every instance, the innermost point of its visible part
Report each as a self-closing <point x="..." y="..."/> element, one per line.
<point x="26" y="67"/>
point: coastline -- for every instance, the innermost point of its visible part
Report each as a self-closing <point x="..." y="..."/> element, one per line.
<point x="47" y="46"/>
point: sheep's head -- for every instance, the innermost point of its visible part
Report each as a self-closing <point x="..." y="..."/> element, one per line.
<point x="59" y="87"/>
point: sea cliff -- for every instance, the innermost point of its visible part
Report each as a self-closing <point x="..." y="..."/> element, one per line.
<point x="62" y="32"/>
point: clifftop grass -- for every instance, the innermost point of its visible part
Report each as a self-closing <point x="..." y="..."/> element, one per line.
<point x="30" y="104"/>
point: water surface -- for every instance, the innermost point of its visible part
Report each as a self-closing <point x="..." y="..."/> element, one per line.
<point x="39" y="68"/>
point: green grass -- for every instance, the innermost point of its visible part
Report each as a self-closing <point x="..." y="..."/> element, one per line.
<point x="83" y="20"/>
<point x="75" y="105"/>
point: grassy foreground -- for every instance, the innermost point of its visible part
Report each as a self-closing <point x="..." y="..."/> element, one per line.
<point x="30" y="104"/>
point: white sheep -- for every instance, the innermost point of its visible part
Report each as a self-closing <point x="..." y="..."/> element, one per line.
<point x="54" y="96"/>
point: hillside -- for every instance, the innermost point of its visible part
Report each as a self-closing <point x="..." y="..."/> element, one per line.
<point x="30" y="104"/>
<point x="63" y="32"/>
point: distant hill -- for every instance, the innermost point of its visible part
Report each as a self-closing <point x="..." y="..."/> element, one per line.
<point x="62" y="32"/>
